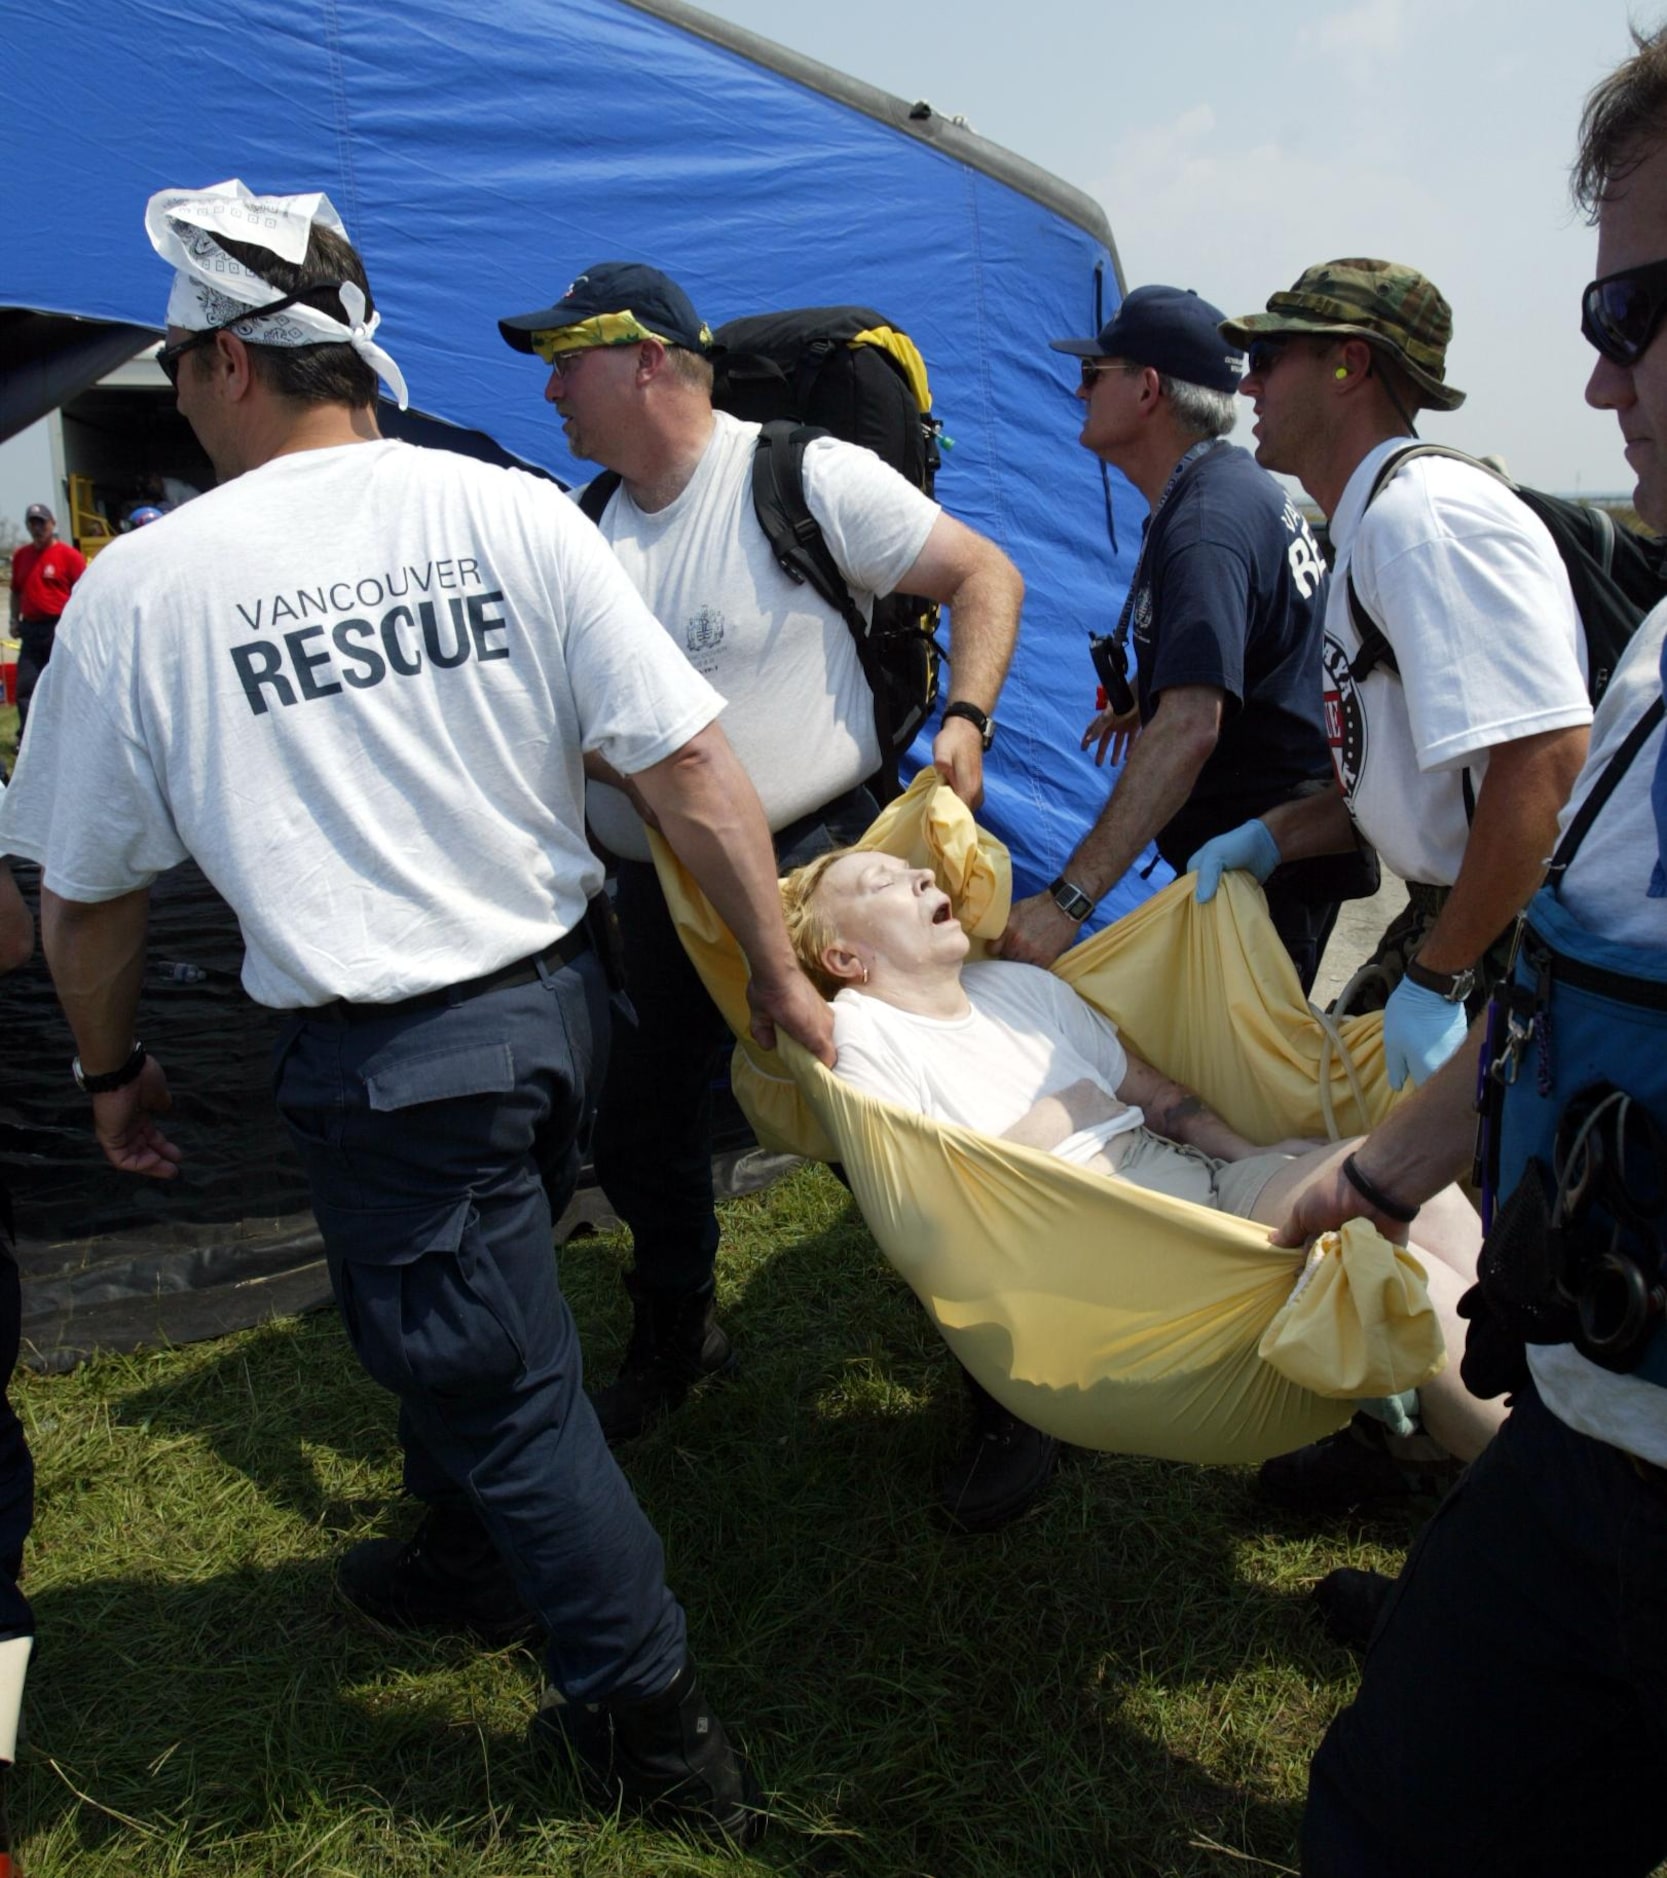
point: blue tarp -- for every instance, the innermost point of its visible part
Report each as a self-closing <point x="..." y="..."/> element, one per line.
<point x="482" y="158"/>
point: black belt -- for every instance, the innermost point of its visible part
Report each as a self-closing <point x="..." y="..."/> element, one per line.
<point x="522" y="972"/>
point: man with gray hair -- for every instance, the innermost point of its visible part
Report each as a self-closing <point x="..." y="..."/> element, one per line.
<point x="1225" y="610"/>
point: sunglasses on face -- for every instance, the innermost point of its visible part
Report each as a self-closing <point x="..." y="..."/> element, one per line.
<point x="169" y="357"/>
<point x="1262" y="355"/>
<point x="1621" y="313"/>
<point x="1100" y="368"/>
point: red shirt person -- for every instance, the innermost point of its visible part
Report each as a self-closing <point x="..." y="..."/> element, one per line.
<point x="44" y="573"/>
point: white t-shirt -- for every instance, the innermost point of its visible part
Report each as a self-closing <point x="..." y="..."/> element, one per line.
<point x="800" y="714"/>
<point x="1471" y="592"/>
<point x="1026" y="1036"/>
<point x="1605" y="890"/>
<point x="355" y="685"/>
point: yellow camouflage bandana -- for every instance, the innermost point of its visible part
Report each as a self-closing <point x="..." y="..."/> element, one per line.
<point x="605" y="329"/>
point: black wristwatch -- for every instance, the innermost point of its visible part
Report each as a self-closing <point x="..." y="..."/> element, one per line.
<point x="111" y="1078"/>
<point x="1455" y="987"/>
<point x="981" y="721"/>
<point x="1071" y="901"/>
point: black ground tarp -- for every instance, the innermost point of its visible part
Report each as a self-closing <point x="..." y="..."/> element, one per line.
<point x="113" y="1262"/>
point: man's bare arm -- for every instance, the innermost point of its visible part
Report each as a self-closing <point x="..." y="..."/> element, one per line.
<point x="1159" y="776"/>
<point x="1511" y="837"/>
<point x="1423" y="1145"/>
<point x="17" y="929"/>
<point x="710" y="813"/>
<point x="1310" y="825"/>
<point x="599" y="769"/>
<point x="96" y="951"/>
<point x="969" y="574"/>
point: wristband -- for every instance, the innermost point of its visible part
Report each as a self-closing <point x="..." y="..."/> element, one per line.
<point x="979" y="720"/>
<point x="1455" y="987"/>
<point x="1374" y="1196"/>
<point x="111" y="1078"/>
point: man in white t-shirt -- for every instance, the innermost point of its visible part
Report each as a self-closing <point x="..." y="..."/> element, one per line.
<point x="1455" y="766"/>
<point x="632" y="384"/>
<point x="355" y="683"/>
<point x="1513" y="1710"/>
<point x="1455" y="752"/>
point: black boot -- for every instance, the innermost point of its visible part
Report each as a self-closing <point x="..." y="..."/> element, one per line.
<point x="446" y="1577"/>
<point x="668" y="1754"/>
<point x="1350" y="1602"/>
<point x="998" y="1470"/>
<point x="676" y="1341"/>
<point x="1356" y="1470"/>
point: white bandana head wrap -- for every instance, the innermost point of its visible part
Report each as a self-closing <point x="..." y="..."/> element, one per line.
<point x="210" y="284"/>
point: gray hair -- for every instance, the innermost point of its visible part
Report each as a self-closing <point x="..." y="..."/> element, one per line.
<point x="1198" y="409"/>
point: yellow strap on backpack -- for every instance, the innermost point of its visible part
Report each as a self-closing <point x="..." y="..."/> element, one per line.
<point x="907" y="355"/>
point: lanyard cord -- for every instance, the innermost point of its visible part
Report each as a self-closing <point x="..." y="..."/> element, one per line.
<point x="1200" y="449"/>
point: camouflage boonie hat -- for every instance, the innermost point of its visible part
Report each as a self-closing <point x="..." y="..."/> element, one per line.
<point x="1390" y="306"/>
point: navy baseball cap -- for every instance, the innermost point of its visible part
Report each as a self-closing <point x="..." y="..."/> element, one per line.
<point x="1172" y="330"/>
<point x="627" y="300"/>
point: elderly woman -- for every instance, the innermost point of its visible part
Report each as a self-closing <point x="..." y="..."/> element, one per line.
<point x="1012" y="1051"/>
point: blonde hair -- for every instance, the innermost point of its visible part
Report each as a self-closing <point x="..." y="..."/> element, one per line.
<point x="809" y="926"/>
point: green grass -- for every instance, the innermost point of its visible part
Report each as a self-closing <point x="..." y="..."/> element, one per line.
<point x="1126" y="1682"/>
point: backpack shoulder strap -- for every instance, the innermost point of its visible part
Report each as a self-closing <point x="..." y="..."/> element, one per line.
<point x="794" y="535"/>
<point x="1375" y="649"/>
<point x="598" y="493"/>
<point x="1603" y="789"/>
<point x="1604" y="530"/>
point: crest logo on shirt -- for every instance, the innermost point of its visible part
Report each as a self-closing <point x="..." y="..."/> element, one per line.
<point x="1345" y="722"/>
<point x="705" y="631"/>
<point x="1140" y="618"/>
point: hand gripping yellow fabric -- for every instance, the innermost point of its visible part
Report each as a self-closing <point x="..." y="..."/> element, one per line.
<point x="1113" y="1317"/>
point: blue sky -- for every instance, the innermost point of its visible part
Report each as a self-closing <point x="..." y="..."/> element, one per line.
<point x="1232" y="147"/>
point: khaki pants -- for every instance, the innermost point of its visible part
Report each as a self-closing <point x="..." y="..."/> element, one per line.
<point x="1147" y="1160"/>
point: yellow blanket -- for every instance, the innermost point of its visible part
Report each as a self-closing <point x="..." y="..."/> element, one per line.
<point x="1110" y="1316"/>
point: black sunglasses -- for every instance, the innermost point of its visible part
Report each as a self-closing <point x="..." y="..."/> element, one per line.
<point x="1262" y="355"/>
<point x="169" y="356"/>
<point x="1098" y="368"/>
<point x="1621" y="313"/>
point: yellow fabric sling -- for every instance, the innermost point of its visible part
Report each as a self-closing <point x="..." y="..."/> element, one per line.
<point x="1108" y="1315"/>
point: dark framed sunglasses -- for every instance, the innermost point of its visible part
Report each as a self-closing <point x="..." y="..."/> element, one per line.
<point x="1098" y="368"/>
<point x="169" y="357"/>
<point x="1262" y="355"/>
<point x="1621" y="313"/>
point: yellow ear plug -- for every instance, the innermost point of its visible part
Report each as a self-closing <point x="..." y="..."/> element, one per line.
<point x="1342" y="371"/>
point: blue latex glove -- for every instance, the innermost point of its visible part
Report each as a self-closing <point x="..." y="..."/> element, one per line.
<point x="1249" y="846"/>
<point x="1421" y="1029"/>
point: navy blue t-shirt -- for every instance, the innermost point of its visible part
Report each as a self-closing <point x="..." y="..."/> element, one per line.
<point x="1232" y="594"/>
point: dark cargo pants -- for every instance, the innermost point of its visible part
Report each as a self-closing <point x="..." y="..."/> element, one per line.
<point x="438" y="1144"/>
<point x="1512" y="1715"/>
<point x="654" y="1130"/>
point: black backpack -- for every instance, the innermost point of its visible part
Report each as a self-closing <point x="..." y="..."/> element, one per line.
<point x="847" y="372"/>
<point x="1616" y="576"/>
